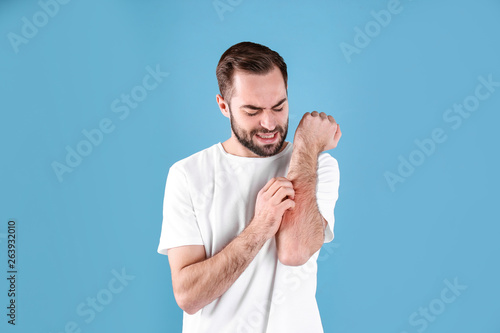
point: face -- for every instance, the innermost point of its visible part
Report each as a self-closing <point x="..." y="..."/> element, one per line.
<point x="258" y="112"/>
<point x="261" y="142"/>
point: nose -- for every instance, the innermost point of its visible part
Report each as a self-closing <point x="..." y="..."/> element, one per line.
<point x="268" y="121"/>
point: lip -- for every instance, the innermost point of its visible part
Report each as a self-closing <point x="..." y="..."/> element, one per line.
<point x="268" y="141"/>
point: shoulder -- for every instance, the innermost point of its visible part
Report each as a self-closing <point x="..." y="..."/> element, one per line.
<point x="198" y="160"/>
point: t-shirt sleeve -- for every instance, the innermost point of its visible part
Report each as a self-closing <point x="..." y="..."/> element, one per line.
<point x="327" y="191"/>
<point x="179" y="226"/>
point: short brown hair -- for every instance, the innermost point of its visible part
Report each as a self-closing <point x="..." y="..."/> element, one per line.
<point x="250" y="57"/>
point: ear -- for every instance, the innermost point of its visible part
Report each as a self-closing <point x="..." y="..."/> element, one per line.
<point x="223" y="106"/>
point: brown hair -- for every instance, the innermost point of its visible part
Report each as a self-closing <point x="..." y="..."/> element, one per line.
<point x="250" y="57"/>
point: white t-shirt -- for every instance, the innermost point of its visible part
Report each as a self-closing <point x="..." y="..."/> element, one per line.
<point x="209" y="200"/>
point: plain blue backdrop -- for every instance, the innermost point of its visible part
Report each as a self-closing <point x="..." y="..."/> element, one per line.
<point x="413" y="217"/>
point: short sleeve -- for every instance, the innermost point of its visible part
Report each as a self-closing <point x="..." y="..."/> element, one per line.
<point x="327" y="191"/>
<point x="179" y="226"/>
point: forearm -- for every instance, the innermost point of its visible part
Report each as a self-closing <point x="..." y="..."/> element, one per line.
<point x="203" y="282"/>
<point x="301" y="233"/>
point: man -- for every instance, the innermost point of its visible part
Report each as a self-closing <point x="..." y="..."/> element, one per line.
<point x="244" y="220"/>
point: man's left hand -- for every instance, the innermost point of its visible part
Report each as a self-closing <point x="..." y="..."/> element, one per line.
<point x="317" y="131"/>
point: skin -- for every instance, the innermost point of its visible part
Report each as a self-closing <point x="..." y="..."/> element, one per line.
<point x="302" y="230"/>
<point x="285" y="207"/>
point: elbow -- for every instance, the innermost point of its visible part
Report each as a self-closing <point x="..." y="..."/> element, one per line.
<point x="293" y="256"/>
<point x="186" y="302"/>
<point x="190" y="311"/>
<point x="293" y="260"/>
<point x="296" y="254"/>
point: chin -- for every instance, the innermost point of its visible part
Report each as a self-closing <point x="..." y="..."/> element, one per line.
<point x="270" y="149"/>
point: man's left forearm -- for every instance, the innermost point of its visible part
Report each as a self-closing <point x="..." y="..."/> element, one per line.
<point x="301" y="233"/>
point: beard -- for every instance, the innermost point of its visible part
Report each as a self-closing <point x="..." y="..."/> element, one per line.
<point x="246" y="138"/>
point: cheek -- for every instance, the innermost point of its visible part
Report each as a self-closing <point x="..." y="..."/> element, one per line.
<point x="283" y="118"/>
<point x="248" y="124"/>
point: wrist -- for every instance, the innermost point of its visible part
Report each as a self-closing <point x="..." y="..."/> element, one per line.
<point x="256" y="232"/>
<point x="305" y="147"/>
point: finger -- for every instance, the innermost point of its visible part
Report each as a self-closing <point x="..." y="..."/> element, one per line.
<point x="279" y="184"/>
<point x="268" y="185"/>
<point x="285" y="182"/>
<point x="281" y="178"/>
<point x="314" y="113"/>
<point x="282" y="194"/>
<point x="332" y="120"/>
<point x="337" y="135"/>
<point x="285" y="205"/>
<point x="282" y="181"/>
<point x="322" y="115"/>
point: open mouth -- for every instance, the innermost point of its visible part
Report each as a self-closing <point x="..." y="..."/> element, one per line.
<point x="267" y="137"/>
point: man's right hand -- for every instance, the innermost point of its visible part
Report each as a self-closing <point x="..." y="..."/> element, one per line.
<point x="198" y="281"/>
<point x="272" y="202"/>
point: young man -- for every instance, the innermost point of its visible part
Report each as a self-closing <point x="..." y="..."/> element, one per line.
<point x="244" y="220"/>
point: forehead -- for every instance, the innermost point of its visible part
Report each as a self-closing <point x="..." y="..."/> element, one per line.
<point x="258" y="89"/>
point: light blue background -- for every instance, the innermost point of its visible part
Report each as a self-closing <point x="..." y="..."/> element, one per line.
<point x="392" y="250"/>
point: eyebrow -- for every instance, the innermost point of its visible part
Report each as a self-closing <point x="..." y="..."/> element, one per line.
<point x="253" y="107"/>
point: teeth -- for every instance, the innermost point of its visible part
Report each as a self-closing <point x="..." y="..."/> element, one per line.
<point x="266" y="136"/>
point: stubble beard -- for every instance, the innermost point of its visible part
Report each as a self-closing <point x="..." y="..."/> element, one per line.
<point x="246" y="138"/>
